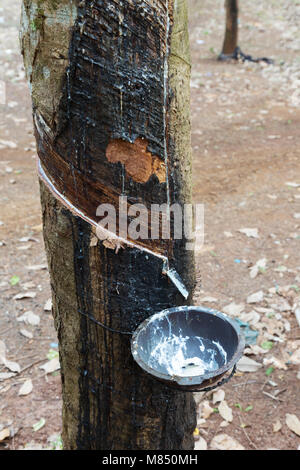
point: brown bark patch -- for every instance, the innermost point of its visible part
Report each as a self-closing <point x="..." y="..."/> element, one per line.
<point x="139" y="163"/>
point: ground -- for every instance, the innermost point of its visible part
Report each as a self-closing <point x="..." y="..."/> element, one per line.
<point x="245" y="138"/>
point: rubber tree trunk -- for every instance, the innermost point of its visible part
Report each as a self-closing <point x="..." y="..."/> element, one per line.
<point x="231" y="31"/>
<point x="110" y="94"/>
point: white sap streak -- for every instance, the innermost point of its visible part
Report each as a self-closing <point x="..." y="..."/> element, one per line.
<point x="166" y="75"/>
<point x="221" y="349"/>
<point x="92" y="222"/>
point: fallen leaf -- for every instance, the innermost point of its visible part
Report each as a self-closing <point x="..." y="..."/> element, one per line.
<point x="297" y="314"/>
<point x="4" y="434"/>
<point x="11" y="365"/>
<point x="51" y="365"/>
<point x="224" y="424"/>
<point x="259" y="266"/>
<point x="277" y="426"/>
<point x="48" y="305"/>
<point x="37" y="267"/>
<point x="7" y="144"/>
<point x="6" y="375"/>
<point x="28" y="239"/>
<point x="255" y="298"/>
<point x="206" y="409"/>
<point x="29" y="318"/>
<point x="218" y="396"/>
<point x="293" y="423"/>
<point x="37" y="228"/>
<point x="200" y="444"/>
<point x="26" y="333"/>
<point x="2" y="350"/>
<point x="250" y="232"/>
<point x="209" y="299"/>
<point x="274" y="361"/>
<point x="37" y="426"/>
<point x="295" y="357"/>
<point x="25" y="295"/>
<point x="201" y="423"/>
<point x="225" y="442"/>
<point x="26" y="388"/>
<point x="245" y="364"/>
<point x="252" y="317"/>
<point x="225" y="411"/>
<point x="24" y="247"/>
<point x="233" y="309"/>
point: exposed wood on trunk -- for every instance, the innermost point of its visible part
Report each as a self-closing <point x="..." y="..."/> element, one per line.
<point x="119" y="125"/>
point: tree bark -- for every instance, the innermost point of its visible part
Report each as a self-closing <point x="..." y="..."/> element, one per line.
<point x="110" y="95"/>
<point x="231" y="31"/>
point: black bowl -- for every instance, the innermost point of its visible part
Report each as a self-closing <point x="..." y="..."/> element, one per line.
<point x="187" y="347"/>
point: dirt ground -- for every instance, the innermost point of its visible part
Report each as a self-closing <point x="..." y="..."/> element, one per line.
<point x="246" y="148"/>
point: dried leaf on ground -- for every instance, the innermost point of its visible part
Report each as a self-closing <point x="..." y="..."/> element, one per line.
<point x="225" y="411"/>
<point x="6" y="375"/>
<point x="205" y="409"/>
<point x="51" y="366"/>
<point x="250" y="232"/>
<point x="225" y="442"/>
<point x="245" y="364"/>
<point x="200" y="444"/>
<point x="255" y="350"/>
<point x="295" y="357"/>
<point x="11" y="365"/>
<point x="209" y="299"/>
<point x="293" y="423"/>
<point x="259" y="266"/>
<point x="2" y="350"/>
<point x="26" y="388"/>
<point x="297" y="314"/>
<point x="26" y="333"/>
<point x="25" y="295"/>
<point x="37" y="426"/>
<point x="218" y="396"/>
<point x="255" y="298"/>
<point x="233" y="309"/>
<point x="29" y="318"/>
<point x="224" y="424"/>
<point x="4" y="434"/>
<point x="277" y="426"/>
<point x="37" y="267"/>
<point x="48" y="305"/>
<point x="274" y="361"/>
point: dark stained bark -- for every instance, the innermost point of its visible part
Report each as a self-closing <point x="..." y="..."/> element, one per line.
<point x="231" y="31"/>
<point x="116" y="121"/>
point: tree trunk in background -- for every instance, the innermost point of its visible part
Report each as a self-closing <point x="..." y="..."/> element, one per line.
<point x="231" y="32"/>
<point x="110" y="93"/>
